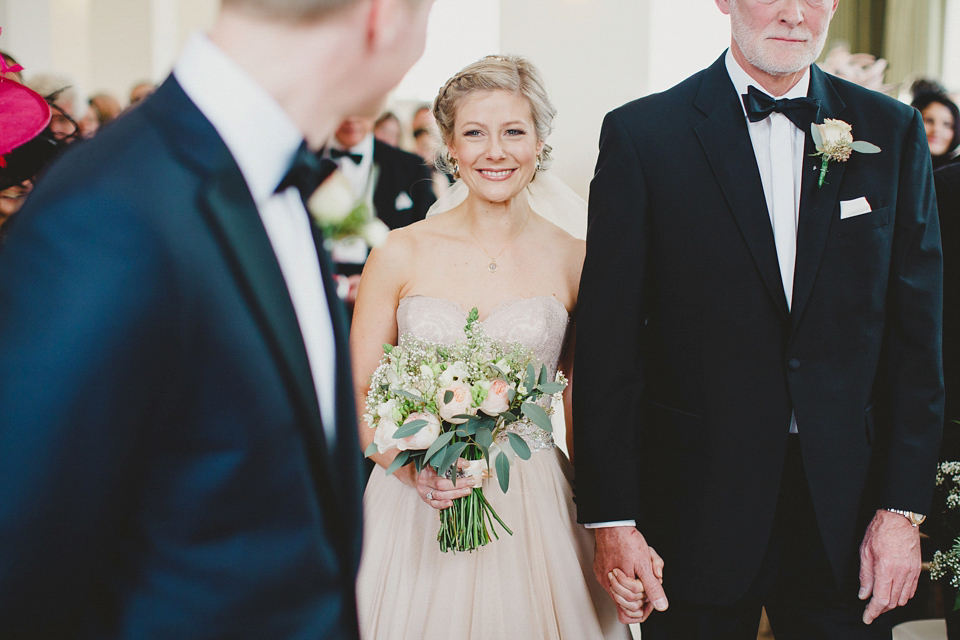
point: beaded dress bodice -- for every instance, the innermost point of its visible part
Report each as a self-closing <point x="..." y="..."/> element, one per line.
<point x="539" y="323"/>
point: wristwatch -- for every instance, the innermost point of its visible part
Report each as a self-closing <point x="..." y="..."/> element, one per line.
<point x="914" y="518"/>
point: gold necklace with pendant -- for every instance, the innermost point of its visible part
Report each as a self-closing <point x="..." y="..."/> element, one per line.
<point x="492" y="267"/>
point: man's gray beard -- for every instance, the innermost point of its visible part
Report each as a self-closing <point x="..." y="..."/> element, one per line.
<point x="753" y="50"/>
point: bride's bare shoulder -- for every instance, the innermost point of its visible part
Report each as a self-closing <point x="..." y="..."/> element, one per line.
<point x="405" y="243"/>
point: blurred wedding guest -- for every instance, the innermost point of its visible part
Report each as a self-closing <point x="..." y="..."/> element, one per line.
<point x="426" y="136"/>
<point x="387" y="129"/>
<point x="947" y="181"/>
<point x="101" y="109"/>
<point x="60" y="92"/>
<point x="396" y="183"/>
<point x="11" y="199"/>
<point x="178" y="444"/>
<point x="941" y="119"/>
<point x="140" y="91"/>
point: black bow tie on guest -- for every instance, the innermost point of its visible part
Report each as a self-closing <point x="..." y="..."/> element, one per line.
<point x="307" y="171"/>
<point x="800" y="111"/>
<point x="336" y="154"/>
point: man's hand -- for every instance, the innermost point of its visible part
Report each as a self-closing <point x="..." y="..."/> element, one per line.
<point x="889" y="563"/>
<point x="625" y="549"/>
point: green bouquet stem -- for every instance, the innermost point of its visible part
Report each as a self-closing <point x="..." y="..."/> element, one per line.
<point x="463" y="527"/>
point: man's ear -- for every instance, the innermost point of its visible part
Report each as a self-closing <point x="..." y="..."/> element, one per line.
<point x="384" y="23"/>
<point x="724" y="6"/>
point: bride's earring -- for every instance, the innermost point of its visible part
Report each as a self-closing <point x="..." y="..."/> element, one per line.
<point x="456" y="169"/>
<point x="538" y="162"/>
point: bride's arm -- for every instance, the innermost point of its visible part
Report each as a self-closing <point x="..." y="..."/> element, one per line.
<point x="375" y="324"/>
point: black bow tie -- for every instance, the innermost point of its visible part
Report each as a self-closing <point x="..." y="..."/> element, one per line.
<point x="336" y="154"/>
<point x="307" y="171"/>
<point x="800" y="111"/>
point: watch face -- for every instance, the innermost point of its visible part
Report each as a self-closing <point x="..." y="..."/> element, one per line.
<point x="916" y="518"/>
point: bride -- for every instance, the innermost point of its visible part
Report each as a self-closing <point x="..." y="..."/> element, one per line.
<point x="487" y="244"/>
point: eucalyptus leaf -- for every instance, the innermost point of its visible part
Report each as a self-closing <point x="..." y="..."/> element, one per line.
<point x="398" y="462"/>
<point x="864" y="147"/>
<point x="438" y="444"/>
<point x="408" y="429"/>
<point x="483" y="438"/>
<point x="519" y="445"/>
<point x="508" y="417"/>
<point x="387" y="348"/>
<point x="463" y="416"/>
<point x="412" y="396"/>
<point x="815" y="134"/>
<point x="551" y="388"/>
<point x="530" y="380"/>
<point x="511" y="394"/>
<point x="453" y="452"/>
<point x="544" y="377"/>
<point x="537" y="415"/>
<point x="503" y="471"/>
<point x="372" y="449"/>
<point x="447" y="397"/>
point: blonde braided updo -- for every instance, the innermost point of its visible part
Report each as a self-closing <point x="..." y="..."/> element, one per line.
<point x="493" y="73"/>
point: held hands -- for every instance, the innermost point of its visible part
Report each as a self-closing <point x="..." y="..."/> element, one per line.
<point x="438" y="492"/>
<point x="889" y="563"/>
<point x="630" y="572"/>
<point x="629" y="593"/>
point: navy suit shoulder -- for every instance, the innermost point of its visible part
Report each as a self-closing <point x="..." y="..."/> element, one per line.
<point x="152" y="413"/>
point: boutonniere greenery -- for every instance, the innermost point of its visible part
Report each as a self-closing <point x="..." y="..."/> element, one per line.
<point x="834" y="142"/>
<point x="335" y="210"/>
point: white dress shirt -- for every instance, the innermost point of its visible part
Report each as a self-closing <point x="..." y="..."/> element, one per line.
<point x="359" y="175"/>
<point x="778" y="141"/>
<point x="263" y="140"/>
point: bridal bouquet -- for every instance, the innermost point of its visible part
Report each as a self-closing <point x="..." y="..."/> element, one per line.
<point x="946" y="522"/>
<point x="437" y="403"/>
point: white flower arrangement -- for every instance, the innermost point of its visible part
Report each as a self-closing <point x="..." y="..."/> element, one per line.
<point x="438" y="403"/>
<point x="340" y="215"/>
<point x="834" y="142"/>
<point x="946" y="564"/>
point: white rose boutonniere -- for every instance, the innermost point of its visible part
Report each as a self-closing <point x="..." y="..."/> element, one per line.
<point x="834" y="142"/>
<point x="340" y="215"/>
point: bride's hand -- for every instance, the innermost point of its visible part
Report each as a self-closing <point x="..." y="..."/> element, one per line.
<point x="629" y="593"/>
<point x="439" y="492"/>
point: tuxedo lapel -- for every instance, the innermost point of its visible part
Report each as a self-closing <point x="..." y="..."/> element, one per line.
<point x="726" y="142"/>
<point x="231" y="212"/>
<point x="817" y="204"/>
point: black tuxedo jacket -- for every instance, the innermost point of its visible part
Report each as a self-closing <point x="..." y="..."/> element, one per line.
<point x="163" y="467"/>
<point x="401" y="172"/>
<point x="947" y="181"/>
<point x="689" y="362"/>
<point x="403" y="193"/>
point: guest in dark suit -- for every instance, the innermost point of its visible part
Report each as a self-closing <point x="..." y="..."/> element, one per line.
<point x="759" y="386"/>
<point x="177" y="438"/>
<point x="395" y="182"/>
<point x="947" y="181"/>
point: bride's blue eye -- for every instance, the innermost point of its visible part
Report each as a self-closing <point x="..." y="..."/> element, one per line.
<point x="515" y="132"/>
<point x="472" y="133"/>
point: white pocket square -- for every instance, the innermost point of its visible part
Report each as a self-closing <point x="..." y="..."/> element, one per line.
<point x="850" y="208"/>
<point x="403" y="202"/>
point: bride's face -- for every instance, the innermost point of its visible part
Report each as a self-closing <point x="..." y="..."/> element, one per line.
<point x="495" y="144"/>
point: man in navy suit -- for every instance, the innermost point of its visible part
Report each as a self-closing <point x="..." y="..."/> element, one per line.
<point x="759" y="389"/>
<point x="178" y="454"/>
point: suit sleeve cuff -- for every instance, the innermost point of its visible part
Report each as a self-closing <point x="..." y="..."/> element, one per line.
<point x="612" y="523"/>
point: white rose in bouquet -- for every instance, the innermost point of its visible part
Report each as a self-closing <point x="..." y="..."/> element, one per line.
<point x="459" y="404"/>
<point x="425" y="437"/>
<point x="497" y="400"/>
<point x="374" y="232"/>
<point x="333" y="201"/>
<point x="383" y="436"/>
<point x="456" y="372"/>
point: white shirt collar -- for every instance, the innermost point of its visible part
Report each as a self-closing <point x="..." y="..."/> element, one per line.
<point x="741" y="80"/>
<point x="260" y="135"/>
<point x="364" y="147"/>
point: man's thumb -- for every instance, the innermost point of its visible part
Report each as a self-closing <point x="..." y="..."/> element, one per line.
<point x="866" y="578"/>
<point x="654" y="589"/>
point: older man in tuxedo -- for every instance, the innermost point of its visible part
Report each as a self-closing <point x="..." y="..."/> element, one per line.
<point x="759" y="391"/>
<point x="178" y="454"/>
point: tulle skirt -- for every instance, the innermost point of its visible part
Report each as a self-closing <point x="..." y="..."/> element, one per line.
<point x="536" y="584"/>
